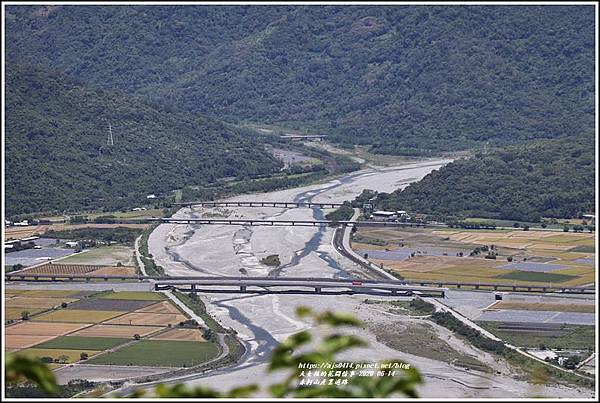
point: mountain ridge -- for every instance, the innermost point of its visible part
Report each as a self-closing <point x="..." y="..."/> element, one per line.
<point x="57" y="153"/>
<point x="403" y="80"/>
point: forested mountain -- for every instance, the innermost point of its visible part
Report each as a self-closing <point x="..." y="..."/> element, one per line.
<point x="405" y="79"/>
<point x="547" y="178"/>
<point x="57" y="155"/>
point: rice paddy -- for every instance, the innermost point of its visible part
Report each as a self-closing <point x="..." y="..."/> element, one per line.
<point x="61" y="356"/>
<point x="160" y="353"/>
<point x="135" y="295"/>
<point x="83" y="343"/>
<point x="453" y="255"/>
<point x="131" y="328"/>
<point x="76" y="315"/>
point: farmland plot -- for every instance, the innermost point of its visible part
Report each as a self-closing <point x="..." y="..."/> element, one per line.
<point x="160" y="353"/>
<point x="75" y="315"/>
<point x="116" y="331"/>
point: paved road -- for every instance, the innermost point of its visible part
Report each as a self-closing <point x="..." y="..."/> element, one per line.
<point x="342" y="246"/>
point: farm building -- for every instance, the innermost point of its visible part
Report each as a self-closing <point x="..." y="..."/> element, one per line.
<point x="383" y="214"/>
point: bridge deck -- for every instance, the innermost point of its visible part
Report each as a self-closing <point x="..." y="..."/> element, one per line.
<point x="310" y="282"/>
<point x="259" y="204"/>
<point x="298" y="223"/>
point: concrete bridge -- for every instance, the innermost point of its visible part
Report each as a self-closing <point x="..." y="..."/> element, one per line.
<point x="302" y="285"/>
<point x="286" y="204"/>
<point x="272" y="223"/>
<point x="318" y="286"/>
<point x="507" y="287"/>
<point x="252" y="285"/>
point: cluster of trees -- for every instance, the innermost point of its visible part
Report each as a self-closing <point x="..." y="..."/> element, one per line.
<point x="475" y="337"/>
<point x="546" y="178"/>
<point x="57" y="155"/>
<point x="34" y="391"/>
<point x="17" y="246"/>
<point x="271" y="260"/>
<point x="120" y="235"/>
<point x="342" y="213"/>
<point x="405" y="80"/>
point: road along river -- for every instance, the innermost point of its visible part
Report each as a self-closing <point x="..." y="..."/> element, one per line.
<point x="264" y="321"/>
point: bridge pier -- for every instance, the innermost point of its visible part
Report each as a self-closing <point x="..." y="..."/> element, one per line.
<point x="243" y="288"/>
<point x="193" y="288"/>
<point x="105" y="278"/>
<point x="317" y="290"/>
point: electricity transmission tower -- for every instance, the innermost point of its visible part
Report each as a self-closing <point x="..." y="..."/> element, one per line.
<point x="109" y="141"/>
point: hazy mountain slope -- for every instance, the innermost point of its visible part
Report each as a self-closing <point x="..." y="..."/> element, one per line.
<point x="549" y="178"/>
<point x="57" y="157"/>
<point x="405" y="79"/>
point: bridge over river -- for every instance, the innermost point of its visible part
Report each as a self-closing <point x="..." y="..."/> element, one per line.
<point x="299" y="285"/>
<point x="270" y="222"/>
<point x="253" y="285"/>
<point x="286" y="204"/>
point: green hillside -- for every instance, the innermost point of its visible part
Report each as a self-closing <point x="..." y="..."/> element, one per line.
<point x="57" y="155"/>
<point x="550" y="178"/>
<point x="403" y="79"/>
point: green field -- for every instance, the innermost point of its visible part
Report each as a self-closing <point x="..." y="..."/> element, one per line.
<point x="116" y="214"/>
<point x="536" y="276"/>
<point x="104" y="255"/>
<point x="584" y="249"/>
<point x="134" y="295"/>
<point x="578" y="337"/>
<point x="161" y="353"/>
<point x="82" y="343"/>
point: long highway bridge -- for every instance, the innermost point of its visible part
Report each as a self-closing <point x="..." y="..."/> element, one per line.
<point x="270" y="222"/>
<point x="301" y="285"/>
<point x="253" y="285"/>
<point x="286" y="204"/>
